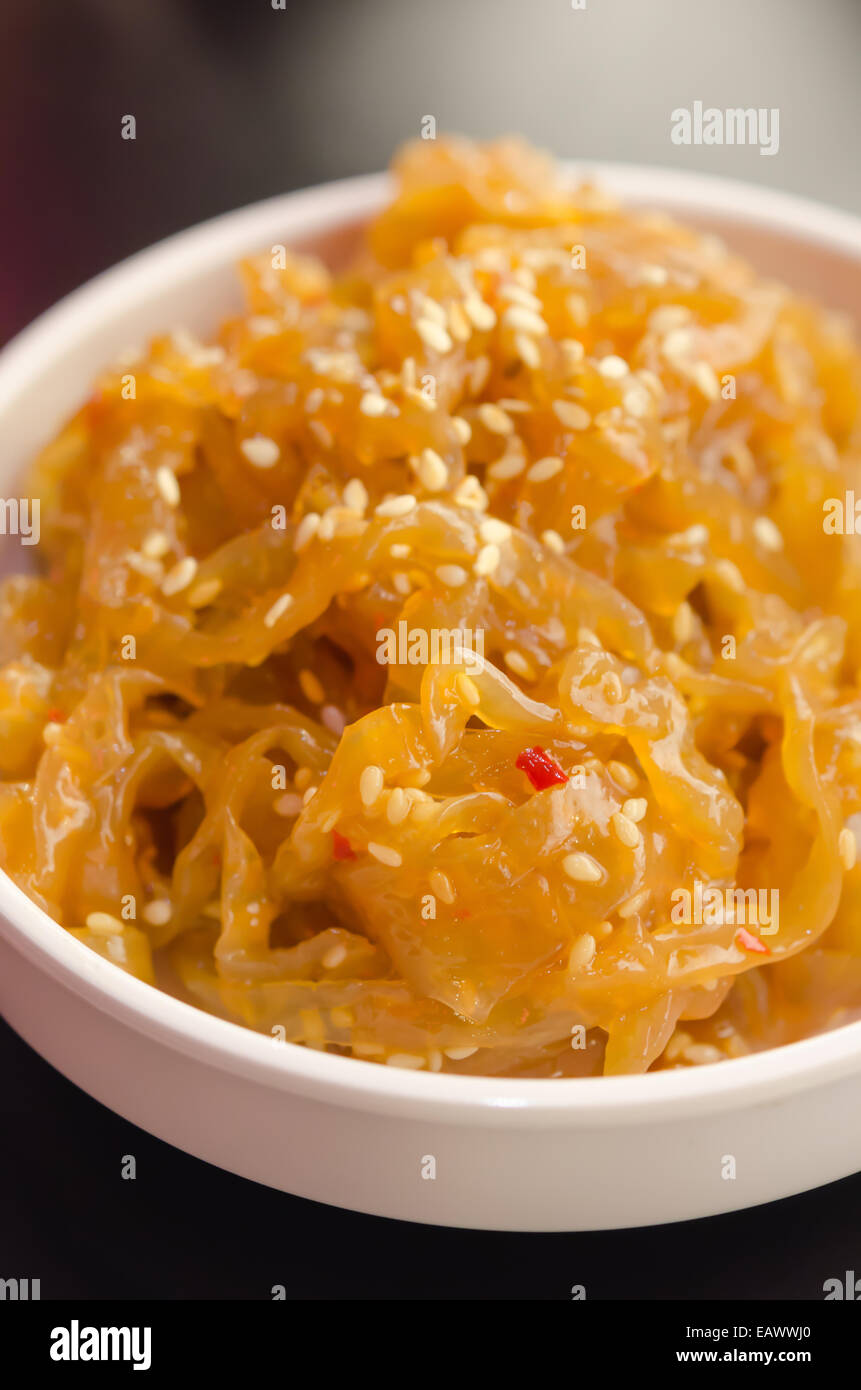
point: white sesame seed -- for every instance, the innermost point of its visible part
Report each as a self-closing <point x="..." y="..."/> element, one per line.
<point x="371" y="784"/>
<point x="635" y="808"/>
<point x="203" y="593"/>
<point x="158" y="912"/>
<point x="494" y="531"/>
<point x="373" y="404"/>
<point x="494" y="419"/>
<point x="582" y="952"/>
<point x="516" y="294"/>
<point x="636" y="401"/>
<point x="180" y="576"/>
<point x="155" y="544"/>
<point x="434" y="336"/>
<point x="571" y="415"/>
<point x="462" y="429"/>
<point x="487" y="560"/>
<point x="653" y="275"/>
<point x="385" y="854"/>
<point x="767" y="533"/>
<point x="306" y="530"/>
<point x="278" y="609"/>
<point x="700" y="1054"/>
<point x="452" y="575"/>
<point x="553" y="541"/>
<point x="103" y="923"/>
<point x="730" y="574"/>
<point x="669" y="316"/>
<point x="432" y="471"/>
<point x="705" y="378"/>
<point x="626" y="830"/>
<point x="613" y="367"/>
<point x="678" y="345"/>
<point x="545" y="469"/>
<point x="573" y="350"/>
<point x="398" y="806"/>
<point x="399" y="551"/>
<point x="683" y="623"/>
<point x="623" y="774"/>
<point x="582" y="868"/>
<point x="527" y="350"/>
<point x="470" y="493"/>
<point x="491" y="258"/>
<point x="431" y="309"/>
<point x="524" y="321"/>
<point x="675" y="666"/>
<point x="321" y="433"/>
<point x="52" y="733"/>
<point x="356" y="496"/>
<point x="480" y="314"/>
<point x="677" y="1044"/>
<point x="459" y="1054"/>
<point x="260" y="451"/>
<point x="458" y="324"/>
<point x="335" y="956"/>
<point x="165" y="481"/>
<point x="290" y="804"/>
<point x="441" y="886"/>
<point x="847" y="847"/>
<point x="510" y="465"/>
<point x="308" y="796"/>
<point x="545" y="257"/>
<point x="516" y="662"/>
<point x="409" y="1061"/>
<point x="632" y="905"/>
<point x="694" y="535"/>
<point x="396" y="506"/>
<point x="480" y="374"/>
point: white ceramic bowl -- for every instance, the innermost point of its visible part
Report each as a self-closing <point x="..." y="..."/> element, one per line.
<point x="509" y="1154"/>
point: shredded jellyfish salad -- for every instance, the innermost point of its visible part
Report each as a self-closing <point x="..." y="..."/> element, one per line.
<point x="455" y="664"/>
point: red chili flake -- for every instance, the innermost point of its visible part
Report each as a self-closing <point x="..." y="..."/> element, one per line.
<point x="57" y="716"/>
<point x="341" y="847"/>
<point x="748" y="942"/>
<point x="461" y="916"/>
<point x="542" y="770"/>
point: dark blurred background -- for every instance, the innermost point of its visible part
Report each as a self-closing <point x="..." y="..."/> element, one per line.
<point x="234" y="102"/>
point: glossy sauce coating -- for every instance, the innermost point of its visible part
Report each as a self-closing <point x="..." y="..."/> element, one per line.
<point x="447" y="663"/>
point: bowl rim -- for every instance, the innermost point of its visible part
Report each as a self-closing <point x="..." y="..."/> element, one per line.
<point x="228" y="1046"/>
